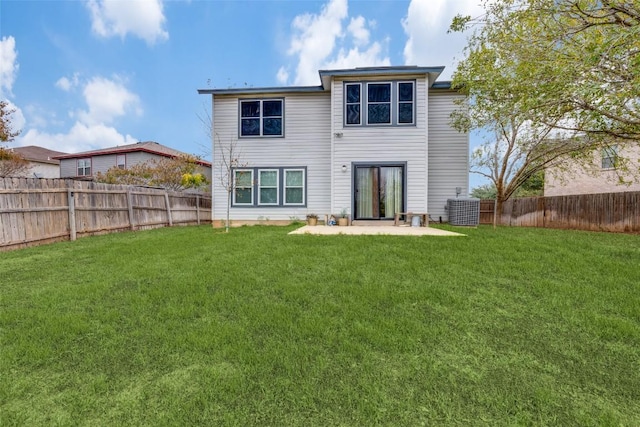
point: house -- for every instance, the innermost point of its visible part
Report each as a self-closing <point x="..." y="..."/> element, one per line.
<point x="602" y="175"/>
<point x="41" y="160"/>
<point x="369" y="142"/>
<point x="87" y="164"/>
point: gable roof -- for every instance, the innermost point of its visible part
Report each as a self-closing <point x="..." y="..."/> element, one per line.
<point x="151" y="147"/>
<point x="326" y="75"/>
<point x="34" y="153"/>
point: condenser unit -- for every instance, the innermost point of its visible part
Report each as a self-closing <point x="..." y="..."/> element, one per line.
<point x="464" y="211"/>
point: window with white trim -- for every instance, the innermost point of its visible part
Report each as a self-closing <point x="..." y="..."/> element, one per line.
<point x="609" y="157"/>
<point x="383" y="103"/>
<point x="272" y="187"/>
<point x="378" y="103"/>
<point x="243" y="187"/>
<point x="352" y="103"/>
<point x="294" y="186"/>
<point x="268" y="187"/>
<point x="84" y="167"/>
<point x="121" y="161"/>
<point x="261" y="117"/>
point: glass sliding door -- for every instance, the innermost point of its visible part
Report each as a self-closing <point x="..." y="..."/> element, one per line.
<point x="379" y="191"/>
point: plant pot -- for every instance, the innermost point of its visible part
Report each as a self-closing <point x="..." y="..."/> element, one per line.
<point x="312" y="221"/>
<point x="343" y="222"/>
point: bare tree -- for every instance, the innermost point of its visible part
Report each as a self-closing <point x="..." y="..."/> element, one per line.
<point x="228" y="164"/>
<point x="226" y="160"/>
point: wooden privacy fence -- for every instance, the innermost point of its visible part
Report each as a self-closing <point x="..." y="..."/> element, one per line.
<point x="615" y="212"/>
<point x="35" y="211"/>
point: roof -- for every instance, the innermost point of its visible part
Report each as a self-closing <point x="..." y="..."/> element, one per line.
<point x="396" y="71"/>
<point x="34" y="153"/>
<point x="326" y="75"/>
<point x="146" y="147"/>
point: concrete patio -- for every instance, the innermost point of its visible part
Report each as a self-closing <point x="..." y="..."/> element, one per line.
<point x="357" y="230"/>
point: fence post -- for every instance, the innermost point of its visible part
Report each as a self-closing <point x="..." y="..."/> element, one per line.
<point x="166" y="201"/>
<point x="198" y="208"/>
<point x="130" y="208"/>
<point x="72" y="214"/>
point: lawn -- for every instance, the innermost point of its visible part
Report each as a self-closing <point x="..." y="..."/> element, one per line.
<point x="189" y="326"/>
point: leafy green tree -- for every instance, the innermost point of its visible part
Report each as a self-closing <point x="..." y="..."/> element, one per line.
<point x="11" y="164"/>
<point x="548" y="79"/>
<point x="578" y="60"/>
<point x="484" y="191"/>
<point x="176" y="174"/>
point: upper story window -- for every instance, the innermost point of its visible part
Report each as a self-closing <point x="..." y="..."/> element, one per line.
<point x="609" y="157"/>
<point x="378" y="103"/>
<point x="382" y="103"/>
<point x="84" y="167"/>
<point x="261" y="117"/>
<point x="121" y="161"/>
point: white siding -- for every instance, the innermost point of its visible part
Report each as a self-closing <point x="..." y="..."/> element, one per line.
<point x="381" y="144"/>
<point x="448" y="154"/>
<point x="306" y="144"/>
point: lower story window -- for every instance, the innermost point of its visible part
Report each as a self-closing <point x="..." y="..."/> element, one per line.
<point x="294" y="186"/>
<point x="84" y="167"/>
<point x="268" y="186"/>
<point x="243" y="187"/>
<point x="273" y="187"/>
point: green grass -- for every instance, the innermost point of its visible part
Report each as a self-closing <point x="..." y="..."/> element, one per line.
<point x="189" y="326"/>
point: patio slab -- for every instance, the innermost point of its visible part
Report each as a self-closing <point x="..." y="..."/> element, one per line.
<point x="358" y="230"/>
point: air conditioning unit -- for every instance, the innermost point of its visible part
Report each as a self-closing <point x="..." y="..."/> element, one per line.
<point x="464" y="211"/>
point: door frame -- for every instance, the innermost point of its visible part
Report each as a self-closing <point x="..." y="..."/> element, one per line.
<point x="355" y="165"/>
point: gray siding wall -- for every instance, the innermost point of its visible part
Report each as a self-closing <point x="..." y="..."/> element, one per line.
<point x="67" y="168"/>
<point x="448" y="154"/>
<point x="381" y="144"/>
<point x="306" y="143"/>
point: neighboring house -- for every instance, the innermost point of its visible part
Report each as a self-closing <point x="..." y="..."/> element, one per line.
<point x="602" y="175"/>
<point x="367" y="141"/>
<point x="87" y="164"/>
<point x="42" y="161"/>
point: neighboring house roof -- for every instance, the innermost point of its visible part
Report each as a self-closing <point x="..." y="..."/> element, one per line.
<point x="147" y="147"/>
<point x="34" y="153"/>
<point x="326" y="75"/>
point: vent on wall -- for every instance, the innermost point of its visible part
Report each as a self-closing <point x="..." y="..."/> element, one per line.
<point x="464" y="211"/>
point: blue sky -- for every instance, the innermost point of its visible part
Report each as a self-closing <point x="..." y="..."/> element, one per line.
<point x="100" y="73"/>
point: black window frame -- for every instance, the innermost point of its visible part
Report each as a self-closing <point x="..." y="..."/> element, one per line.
<point x="260" y="117"/>
<point x="281" y="188"/>
<point x="395" y="104"/>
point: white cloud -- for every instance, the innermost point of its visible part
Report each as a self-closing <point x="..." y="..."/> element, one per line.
<point x="142" y="18"/>
<point x="66" y="84"/>
<point x="8" y="65"/>
<point x="283" y="75"/>
<point x="358" y="29"/>
<point x="320" y="41"/>
<point x="80" y="137"/>
<point x="107" y="100"/>
<point x="426" y="26"/>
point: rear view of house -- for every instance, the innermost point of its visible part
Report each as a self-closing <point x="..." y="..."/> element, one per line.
<point x="367" y="141"/>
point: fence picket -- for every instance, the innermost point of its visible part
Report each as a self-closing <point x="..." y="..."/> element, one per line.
<point x="35" y="211"/>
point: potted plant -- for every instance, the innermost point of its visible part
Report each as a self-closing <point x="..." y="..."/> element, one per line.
<point x="312" y="219"/>
<point x="343" y="218"/>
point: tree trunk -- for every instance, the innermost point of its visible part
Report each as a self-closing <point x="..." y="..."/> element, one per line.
<point x="228" y="211"/>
